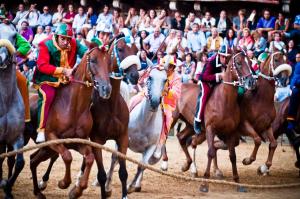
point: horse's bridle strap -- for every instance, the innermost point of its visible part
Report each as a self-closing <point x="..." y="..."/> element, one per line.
<point x="86" y="83"/>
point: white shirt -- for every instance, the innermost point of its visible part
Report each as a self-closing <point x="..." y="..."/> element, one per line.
<point x="56" y="16"/>
<point x="78" y="22"/>
<point x="154" y="42"/>
<point x="38" y="38"/>
<point x="33" y="18"/>
<point x="208" y="23"/>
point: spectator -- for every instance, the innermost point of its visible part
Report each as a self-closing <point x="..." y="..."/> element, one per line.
<point x="119" y="25"/>
<point x="294" y="33"/>
<point x="188" y="69"/>
<point x="58" y="16"/>
<point x="246" y="41"/>
<point x="39" y="36"/>
<point x="201" y="61"/>
<point x="170" y="42"/>
<point x="291" y="53"/>
<point x="26" y="31"/>
<point x="115" y="16"/>
<point x="32" y="17"/>
<point x="140" y="38"/>
<point x="79" y="20"/>
<point x="252" y="20"/>
<point x="104" y="18"/>
<point x="207" y="23"/>
<point x="156" y="42"/>
<point x="45" y="18"/>
<point x="20" y="16"/>
<point x="141" y="20"/>
<point x="91" y="34"/>
<point x="214" y="42"/>
<point x="152" y="15"/>
<point x="196" y="40"/>
<point x="277" y="44"/>
<point x="190" y="20"/>
<point x="147" y="25"/>
<point x="132" y="18"/>
<point x="145" y="61"/>
<point x="282" y="23"/>
<point x="230" y="39"/>
<point x="223" y="24"/>
<point x="266" y="23"/>
<point x="178" y="22"/>
<point x="260" y="43"/>
<point x="181" y="44"/>
<point x="161" y="21"/>
<point x="69" y="17"/>
<point x="239" y="22"/>
<point x="89" y="22"/>
<point x="254" y="63"/>
<point x="48" y="30"/>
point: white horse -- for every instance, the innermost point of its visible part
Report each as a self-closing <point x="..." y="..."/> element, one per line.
<point x="144" y="127"/>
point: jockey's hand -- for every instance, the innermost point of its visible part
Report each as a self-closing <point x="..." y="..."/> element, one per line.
<point x="67" y="72"/>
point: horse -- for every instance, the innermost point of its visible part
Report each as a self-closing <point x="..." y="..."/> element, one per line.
<point x="12" y="115"/>
<point x="111" y="116"/>
<point x="92" y="74"/>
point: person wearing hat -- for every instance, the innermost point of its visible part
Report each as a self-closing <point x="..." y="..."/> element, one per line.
<point x="56" y="58"/>
<point x="210" y="76"/>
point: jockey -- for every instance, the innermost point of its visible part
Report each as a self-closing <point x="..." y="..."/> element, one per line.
<point x="294" y="99"/>
<point x="9" y="32"/>
<point x="211" y="74"/>
<point x="56" y="58"/>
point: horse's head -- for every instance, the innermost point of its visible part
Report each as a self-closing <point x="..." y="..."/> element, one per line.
<point x="6" y="52"/>
<point x="155" y="86"/>
<point x="241" y="64"/>
<point x="125" y="61"/>
<point x="276" y="66"/>
<point x="97" y="69"/>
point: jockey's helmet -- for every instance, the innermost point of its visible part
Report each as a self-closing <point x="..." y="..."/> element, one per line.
<point x="63" y="30"/>
<point x="168" y="60"/>
<point x="224" y="50"/>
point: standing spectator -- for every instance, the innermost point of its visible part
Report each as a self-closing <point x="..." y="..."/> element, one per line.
<point x="132" y="18"/>
<point x="266" y="23"/>
<point x="260" y="43"/>
<point x="32" y="17"/>
<point x="104" y="18"/>
<point x="58" y="16"/>
<point x="79" y="20"/>
<point x="239" y="22"/>
<point x="26" y="31"/>
<point x="20" y="16"/>
<point x="291" y="53"/>
<point x="89" y="22"/>
<point x="155" y="40"/>
<point x="69" y="17"/>
<point x="230" y="39"/>
<point x="223" y="24"/>
<point x="207" y="23"/>
<point x="39" y="36"/>
<point x="178" y="22"/>
<point x="214" y="42"/>
<point x="277" y="44"/>
<point x="246" y="41"/>
<point x="45" y="18"/>
<point x="190" y="20"/>
<point x="196" y="40"/>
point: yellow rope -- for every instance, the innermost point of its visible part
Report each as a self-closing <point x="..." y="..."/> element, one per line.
<point x="146" y="166"/>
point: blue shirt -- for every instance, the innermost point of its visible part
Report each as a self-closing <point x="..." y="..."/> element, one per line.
<point x="264" y="23"/>
<point x="45" y="19"/>
<point x="196" y="41"/>
<point x="296" y="76"/>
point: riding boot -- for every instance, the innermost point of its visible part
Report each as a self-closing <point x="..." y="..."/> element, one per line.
<point x="197" y="127"/>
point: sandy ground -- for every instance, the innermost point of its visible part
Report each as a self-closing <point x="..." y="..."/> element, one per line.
<point x="156" y="186"/>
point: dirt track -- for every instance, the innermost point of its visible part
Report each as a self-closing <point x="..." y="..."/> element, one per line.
<point x="156" y="186"/>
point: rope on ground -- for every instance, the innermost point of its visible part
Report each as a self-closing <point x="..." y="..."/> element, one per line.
<point x="146" y="166"/>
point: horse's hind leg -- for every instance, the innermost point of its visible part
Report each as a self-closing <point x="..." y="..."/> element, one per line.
<point x="183" y="136"/>
<point x="123" y="175"/>
<point x="11" y="160"/>
<point x="2" y="150"/>
<point x="45" y="178"/>
<point x="114" y="161"/>
<point x="164" y="163"/>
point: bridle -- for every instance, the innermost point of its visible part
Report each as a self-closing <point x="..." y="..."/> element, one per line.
<point x="114" y="54"/>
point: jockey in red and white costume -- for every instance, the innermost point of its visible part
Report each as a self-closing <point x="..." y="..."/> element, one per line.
<point x="210" y="76"/>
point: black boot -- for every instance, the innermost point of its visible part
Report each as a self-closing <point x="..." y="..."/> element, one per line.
<point x="197" y="127"/>
<point x="28" y="128"/>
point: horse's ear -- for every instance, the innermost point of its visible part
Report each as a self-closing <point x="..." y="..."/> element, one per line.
<point x="90" y="45"/>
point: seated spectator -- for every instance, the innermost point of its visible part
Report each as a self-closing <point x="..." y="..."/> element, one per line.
<point x="147" y="25"/>
<point x="201" y="61"/>
<point x="181" y="44"/>
<point x="260" y="43"/>
<point x="89" y="22"/>
<point x="39" y="36"/>
<point x="196" y="40"/>
<point x="138" y="40"/>
<point x="69" y="17"/>
<point x="78" y="21"/>
<point x="162" y="21"/>
<point x="152" y="15"/>
<point x="266" y="23"/>
<point x="246" y="42"/>
<point x="214" y="42"/>
<point x="252" y="20"/>
<point x="291" y="52"/>
<point x="91" y="34"/>
<point x="190" y="20"/>
<point x="145" y="61"/>
<point x="48" y="30"/>
<point x="188" y="69"/>
<point x="32" y="17"/>
<point x="118" y="26"/>
<point x="239" y="22"/>
<point x="207" y="23"/>
<point x="26" y="31"/>
<point x="156" y="42"/>
<point x="254" y="63"/>
<point x="178" y="22"/>
<point x="104" y="18"/>
<point x="223" y="24"/>
<point x="282" y="23"/>
<point x="116" y="15"/>
<point x="58" y="16"/>
<point x="294" y="33"/>
<point x="170" y="42"/>
<point x="230" y="39"/>
<point x="277" y="44"/>
<point x="132" y="18"/>
<point x="141" y="20"/>
<point x="20" y="16"/>
<point x="45" y="18"/>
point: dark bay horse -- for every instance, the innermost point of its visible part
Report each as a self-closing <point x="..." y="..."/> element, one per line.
<point x="12" y="116"/>
<point x="70" y="117"/>
<point x="111" y="115"/>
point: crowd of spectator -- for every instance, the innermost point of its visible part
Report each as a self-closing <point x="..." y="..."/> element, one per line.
<point x="194" y="37"/>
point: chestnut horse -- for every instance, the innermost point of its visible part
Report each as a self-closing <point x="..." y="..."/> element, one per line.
<point x="111" y="115"/>
<point x="70" y="117"/>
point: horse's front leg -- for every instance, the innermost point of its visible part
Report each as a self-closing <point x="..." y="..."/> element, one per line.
<point x="45" y="178"/>
<point x="164" y="163"/>
<point x="2" y="150"/>
<point x="182" y="137"/>
<point x="114" y="161"/>
<point x="101" y="175"/>
<point x="11" y="160"/>
<point x="123" y="175"/>
<point x="89" y="158"/>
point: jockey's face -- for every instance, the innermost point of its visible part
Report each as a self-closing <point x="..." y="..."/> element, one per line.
<point x="223" y="59"/>
<point x="63" y="41"/>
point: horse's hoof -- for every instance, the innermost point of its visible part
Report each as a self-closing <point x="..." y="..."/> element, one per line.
<point x="164" y="165"/>
<point x="219" y="174"/>
<point x="96" y="183"/>
<point x="42" y="185"/>
<point x="263" y="170"/>
<point x="3" y="183"/>
<point x="247" y="161"/>
<point x="63" y="185"/>
<point x="241" y="189"/>
<point x="204" y="188"/>
<point x="76" y="192"/>
<point x="194" y="170"/>
<point x="108" y="193"/>
<point x="297" y="164"/>
<point x="132" y="189"/>
<point x="125" y="197"/>
<point x="194" y="175"/>
<point x="186" y="166"/>
<point x="40" y="196"/>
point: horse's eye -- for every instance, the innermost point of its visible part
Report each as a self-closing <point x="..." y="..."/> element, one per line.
<point x="93" y="61"/>
<point x="120" y="49"/>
